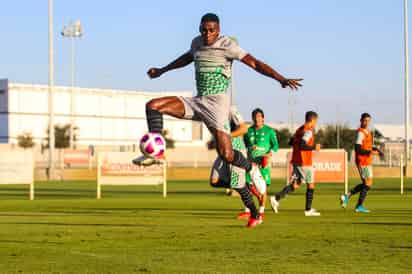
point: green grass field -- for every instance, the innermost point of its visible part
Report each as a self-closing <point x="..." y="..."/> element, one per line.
<point x="194" y="230"/>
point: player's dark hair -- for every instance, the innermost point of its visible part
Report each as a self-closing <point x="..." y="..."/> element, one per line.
<point x="310" y="115"/>
<point x="209" y="17"/>
<point x="255" y="112"/>
<point x="365" y="115"/>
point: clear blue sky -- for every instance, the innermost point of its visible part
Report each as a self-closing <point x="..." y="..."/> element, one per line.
<point x="349" y="52"/>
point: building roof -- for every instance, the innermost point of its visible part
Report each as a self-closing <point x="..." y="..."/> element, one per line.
<point x="392" y="132"/>
<point x="42" y="88"/>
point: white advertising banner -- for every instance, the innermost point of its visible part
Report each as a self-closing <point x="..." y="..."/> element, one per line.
<point x="17" y="167"/>
<point x="116" y="168"/>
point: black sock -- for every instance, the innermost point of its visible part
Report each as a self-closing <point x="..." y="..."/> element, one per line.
<point x="363" y="194"/>
<point x="240" y="161"/>
<point x="309" y="198"/>
<point x="220" y="184"/>
<point x="282" y="194"/>
<point x="356" y="189"/>
<point x="248" y="201"/>
<point x="154" y="120"/>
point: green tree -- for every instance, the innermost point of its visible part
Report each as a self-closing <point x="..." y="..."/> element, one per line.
<point x="61" y="136"/>
<point x="25" y="140"/>
<point x="378" y="138"/>
<point x="284" y="136"/>
<point x="328" y="137"/>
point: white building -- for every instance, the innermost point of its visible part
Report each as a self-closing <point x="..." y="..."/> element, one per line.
<point x="103" y="116"/>
<point x="392" y="132"/>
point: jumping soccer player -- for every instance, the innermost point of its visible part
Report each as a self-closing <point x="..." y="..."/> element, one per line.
<point x="260" y="141"/>
<point x="303" y="142"/>
<point x="228" y="176"/>
<point x="364" y="152"/>
<point x="213" y="55"/>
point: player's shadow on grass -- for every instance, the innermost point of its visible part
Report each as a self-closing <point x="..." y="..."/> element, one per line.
<point x="140" y="225"/>
<point x="164" y="209"/>
<point x="48" y="214"/>
<point x="29" y="242"/>
<point x="382" y="223"/>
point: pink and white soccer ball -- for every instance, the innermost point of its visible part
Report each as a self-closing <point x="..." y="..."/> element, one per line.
<point x="152" y="145"/>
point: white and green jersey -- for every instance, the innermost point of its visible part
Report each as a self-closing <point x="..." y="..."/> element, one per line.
<point x="223" y="170"/>
<point x="235" y="121"/>
<point x="213" y="64"/>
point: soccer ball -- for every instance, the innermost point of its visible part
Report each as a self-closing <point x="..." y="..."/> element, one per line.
<point x="152" y="145"/>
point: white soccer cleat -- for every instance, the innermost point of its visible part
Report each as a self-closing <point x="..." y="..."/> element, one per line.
<point x="344" y="200"/>
<point x="311" y="212"/>
<point x="257" y="180"/>
<point x="144" y="161"/>
<point x="274" y="203"/>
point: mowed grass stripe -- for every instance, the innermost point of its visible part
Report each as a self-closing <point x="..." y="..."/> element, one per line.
<point x="195" y="230"/>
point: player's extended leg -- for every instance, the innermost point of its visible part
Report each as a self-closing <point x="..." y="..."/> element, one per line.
<point x="217" y="183"/>
<point x="307" y="173"/>
<point x="310" y="190"/>
<point x="238" y="182"/>
<point x="224" y="175"/>
<point x="295" y="181"/>
<point x="288" y="189"/>
<point x="236" y="158"/>
<point x="220" y="174"/>
<point x="362" y="196"/>
<point x="265" y="171"/>
<point x="291" y="187"/>
<point x="246" y="213"/>
<point x="344" y="199"/>
<point x="365" y="174"/>
<point x="155" y="108"/>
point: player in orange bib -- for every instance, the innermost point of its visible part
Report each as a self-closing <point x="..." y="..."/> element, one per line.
<point x="303" y="143"/>
<point x="364" y="151"/>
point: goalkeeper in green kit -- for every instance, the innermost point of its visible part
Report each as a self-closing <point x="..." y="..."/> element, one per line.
<point x="260" y="141"/>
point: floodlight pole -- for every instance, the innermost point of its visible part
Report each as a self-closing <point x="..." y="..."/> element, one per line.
<point x="51" y="91"/>
<point x="72" y="31"/>
<point x="71" y="142"/>
<point x="407" y="113"/>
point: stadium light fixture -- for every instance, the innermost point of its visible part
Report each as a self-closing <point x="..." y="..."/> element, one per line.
<point x="72" y="30"/>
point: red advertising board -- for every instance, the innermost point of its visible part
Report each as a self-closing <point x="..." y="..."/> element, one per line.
<point x="330" y="166"/>
<point x="76" y="156"/>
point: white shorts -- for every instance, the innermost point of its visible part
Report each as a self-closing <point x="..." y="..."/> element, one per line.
<point x="365" y="172"/>
<point x="303" y="174"/>
<point x="213" y="110"/>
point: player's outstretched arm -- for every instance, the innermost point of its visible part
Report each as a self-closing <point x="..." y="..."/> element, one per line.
<point x="180" y="62"/>
<point x="266" y="70"/>
<point x="378" y="151"/>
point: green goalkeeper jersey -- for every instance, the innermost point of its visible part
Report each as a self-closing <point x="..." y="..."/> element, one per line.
<point x="261" y="141"/>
